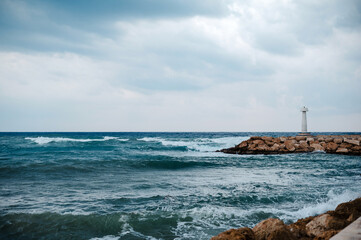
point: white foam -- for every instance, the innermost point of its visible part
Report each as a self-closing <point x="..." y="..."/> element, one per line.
<point x="330" y="203"/>
<point x="45" y="140"/>
<point x="108" y="237"/>
<point x="198" y="144"/>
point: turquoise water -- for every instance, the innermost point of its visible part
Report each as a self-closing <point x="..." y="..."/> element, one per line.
<point x="158" y="185"/>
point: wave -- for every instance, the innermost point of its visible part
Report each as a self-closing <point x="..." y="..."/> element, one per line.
<point x="330" y="203"/>
<point x="172" y="164"/>
<point x="45" y="140"/>
<point x="198" y="144"/>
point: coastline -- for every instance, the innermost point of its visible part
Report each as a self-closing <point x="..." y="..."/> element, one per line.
<point x="334" y="144"/>
<point x="320" y="227"/>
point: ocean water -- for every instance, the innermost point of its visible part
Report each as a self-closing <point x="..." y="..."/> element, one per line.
<point x="158" y="185"/>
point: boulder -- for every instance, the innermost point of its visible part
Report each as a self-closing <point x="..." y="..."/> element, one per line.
<point x="303" y="144"/>
<point x="276" y="140"/>
<point x="283" y="139"/>
<point x="342" y="150"/>
<point x="269" y="143"/>
<point x="345" y="210"/>
<point x="322" y="223"/>
<point x="262" y="147"/>
<point x="290" y="145"/>
<point x="338" y="140"/>
<point x="331" y="147"/>
<point x="243" y="144"/>
<point x="309" y="139"/>
<point x="267" y="139"/>
<point x="236" y="234"/>
<point x="298" y="229"/>
<point x="327" y="140"/>
<point x="275" y="147"/>
<point x="316" y="147"/>
<point x="299" y="138"/>
<point x="272" y="229"/>
<point x="352" y="141"/>
<point x="258" y="142"/>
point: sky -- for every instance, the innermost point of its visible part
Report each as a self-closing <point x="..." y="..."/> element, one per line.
<point x="180" y="65"/>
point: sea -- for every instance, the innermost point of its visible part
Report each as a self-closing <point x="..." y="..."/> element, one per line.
<point x="136" y="185"/>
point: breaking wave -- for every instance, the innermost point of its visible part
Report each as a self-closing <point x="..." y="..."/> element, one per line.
<point x="198" y="144"/>
<point x="45" y="140"/>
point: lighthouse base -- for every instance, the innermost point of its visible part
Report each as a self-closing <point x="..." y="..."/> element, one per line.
<point x="304" y="134"/>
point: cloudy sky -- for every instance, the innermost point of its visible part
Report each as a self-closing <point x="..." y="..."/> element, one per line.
<point x="179" y="65"/>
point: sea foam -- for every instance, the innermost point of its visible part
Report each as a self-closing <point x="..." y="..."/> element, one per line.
<point x="45" y="140"/>
<point x="198" y="144"/>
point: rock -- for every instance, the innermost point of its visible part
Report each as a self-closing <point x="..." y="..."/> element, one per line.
<point x="275" y="147"/>
<point x="342" y="150"/>
<point x="290" y="145"/>
<point x="355" y="142"/>
<point x="298" y="229"/>
<point x="345" y="210"/>
<point x="324" y="223"/>
<point x="243" y="144"/>
<point x="262" y="147"/>
<point x="258" y="142"/>
<point x="317" y="147"/>
<point x="236" y="234"/>
<point x="277" y="140"/>
<point x="303" y="144"/>
<point x="255" y="138"/>
<point x="272" y="229"/>
<point x="331" y="147"/>
<point x="321" y="227"/>
<point x="346" y="144"/>
<point x="327" y="235"/>
<point x="299" y="138"/>
<point x="267" y="139"/>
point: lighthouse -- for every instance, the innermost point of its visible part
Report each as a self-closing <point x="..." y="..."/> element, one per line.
<point x="304" y="122"/>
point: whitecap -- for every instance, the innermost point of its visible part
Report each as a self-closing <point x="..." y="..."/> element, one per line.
<point x="45" y="140"/>
<point x="198" y="144"/>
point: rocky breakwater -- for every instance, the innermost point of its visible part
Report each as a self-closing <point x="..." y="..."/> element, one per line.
<point x="338" y="144"/>
<point x="321" y="227"/>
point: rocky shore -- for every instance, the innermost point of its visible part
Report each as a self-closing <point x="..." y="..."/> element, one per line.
<point x="321" y="227"/>
<point x="337" y="144"/>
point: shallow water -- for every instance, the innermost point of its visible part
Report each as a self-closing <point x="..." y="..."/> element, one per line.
<point x="158" y="185"/>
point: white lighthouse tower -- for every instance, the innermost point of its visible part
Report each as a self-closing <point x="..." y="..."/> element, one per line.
<point x="304" y="122"/>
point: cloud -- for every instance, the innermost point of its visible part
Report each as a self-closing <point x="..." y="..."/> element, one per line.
<point x="179" y="65"/>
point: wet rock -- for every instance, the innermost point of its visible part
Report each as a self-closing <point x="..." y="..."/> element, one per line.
<point x="323" y="223"/>
<point x="321" y="227"/>
<point x="236" y="234"/>
<point x="272" y="229"/>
